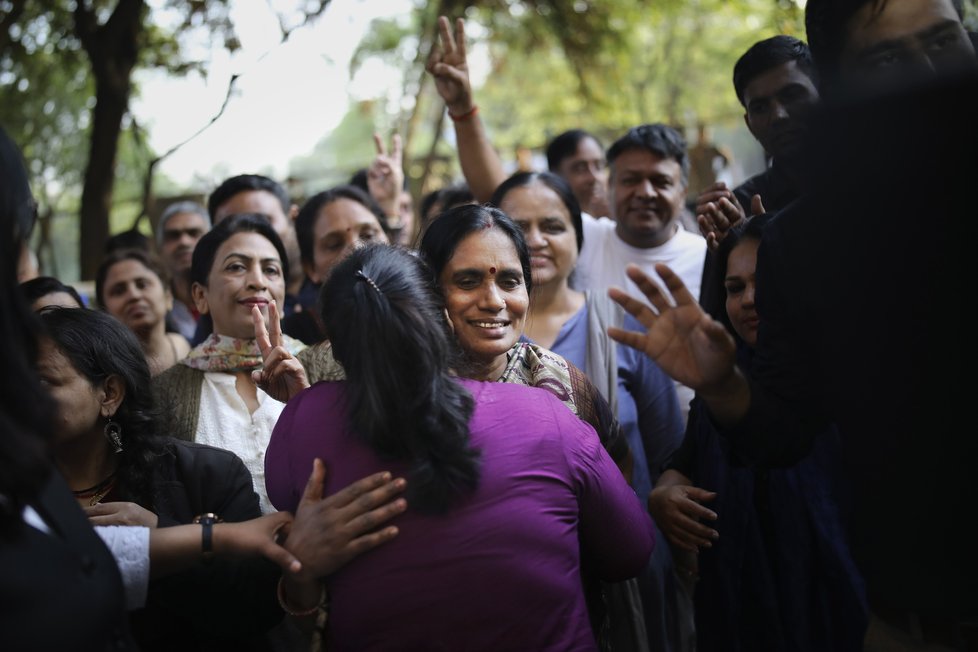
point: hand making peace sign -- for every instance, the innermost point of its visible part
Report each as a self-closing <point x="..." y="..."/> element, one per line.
<point x="448" y="65"/>
<point x="282" y="376"/>
<point x="385" y="176"/>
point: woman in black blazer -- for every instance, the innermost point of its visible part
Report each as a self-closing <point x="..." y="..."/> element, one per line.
<point x="59" y="585"/>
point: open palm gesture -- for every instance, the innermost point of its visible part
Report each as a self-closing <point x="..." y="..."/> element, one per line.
<point x="681" y="337"/>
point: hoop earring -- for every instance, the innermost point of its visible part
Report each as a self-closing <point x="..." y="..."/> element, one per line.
<point x="113" y="432"/>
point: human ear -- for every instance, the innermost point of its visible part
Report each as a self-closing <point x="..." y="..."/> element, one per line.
<point x="199" y="294"/>
<point x="310" y="271"/>
<point x="448" y="320"/>
<point x="113" y="393"/>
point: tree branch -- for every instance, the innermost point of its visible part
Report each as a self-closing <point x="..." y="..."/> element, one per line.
<point x="151" y="168"/>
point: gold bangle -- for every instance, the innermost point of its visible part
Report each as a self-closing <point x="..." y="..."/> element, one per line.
<point x="322" y="605"/>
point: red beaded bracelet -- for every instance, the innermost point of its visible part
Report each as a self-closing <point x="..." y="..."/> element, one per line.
<point x="465" y="116"/>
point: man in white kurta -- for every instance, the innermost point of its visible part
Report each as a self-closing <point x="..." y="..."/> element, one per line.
<point x="649" y="170"/>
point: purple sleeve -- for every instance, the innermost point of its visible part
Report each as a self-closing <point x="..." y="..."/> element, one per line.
<point x="280" y="476"/>
<point x="614" y="528"/>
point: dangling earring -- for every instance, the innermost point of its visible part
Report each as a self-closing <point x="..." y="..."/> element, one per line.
<point x="113" y="432"/>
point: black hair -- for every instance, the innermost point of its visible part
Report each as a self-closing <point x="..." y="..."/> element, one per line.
<point x="714" y="288"/>
<point x="206" y="248"/>
<point x="770" y="53"/>
<point x="662" y="140"/>
<point x="25" y="408"/>
<point x="41" y="286"/>
<point x="825" y="29"/>
<point x="554" y="182"/>
<point x="131" y="239"/>
<point x="443" y="235"/>
<point x="243" y="183"/>
<point x="305" y="221"/>
<point x="148" y="260"/>
<point x="565" y="145"/>
<point x="446" y="197"/>
<point x="382" y="315"/>
<point x="99" y="346"/>
<point x="359" y="179"/>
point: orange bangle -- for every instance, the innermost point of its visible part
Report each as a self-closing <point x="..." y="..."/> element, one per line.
<point x="323" y="604"/>
<point x="465" y="116"/>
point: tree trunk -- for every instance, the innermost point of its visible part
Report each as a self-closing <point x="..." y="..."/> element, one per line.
<point x="112" y="50"/>
<point x="96" y="200"/>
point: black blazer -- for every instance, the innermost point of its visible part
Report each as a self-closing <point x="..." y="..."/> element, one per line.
<point x="60" y="591"/>
<point x="229" y="603"/>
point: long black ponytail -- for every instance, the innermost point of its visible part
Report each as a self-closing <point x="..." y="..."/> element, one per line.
<point x="388" y="330"/>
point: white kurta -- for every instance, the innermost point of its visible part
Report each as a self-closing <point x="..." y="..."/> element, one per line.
<point x="225" y="422"/>
<point x="604" y="257"/>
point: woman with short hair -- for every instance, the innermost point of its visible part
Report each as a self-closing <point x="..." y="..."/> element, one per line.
<point x="239" y="268"/>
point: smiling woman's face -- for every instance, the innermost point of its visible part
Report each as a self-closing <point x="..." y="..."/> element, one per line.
<point x="548" y="228"/>
<point x="246" y="272"/>
<point x="486" y="296"/>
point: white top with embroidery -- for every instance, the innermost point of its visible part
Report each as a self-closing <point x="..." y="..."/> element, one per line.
<point x="225" y="422"/>
<point x="130" y="547"/>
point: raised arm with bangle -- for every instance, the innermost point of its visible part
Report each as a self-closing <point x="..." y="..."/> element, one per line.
<point x="481" y="165"/>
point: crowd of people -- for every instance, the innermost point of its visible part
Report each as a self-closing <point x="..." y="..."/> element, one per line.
<point x="548" y="411"/>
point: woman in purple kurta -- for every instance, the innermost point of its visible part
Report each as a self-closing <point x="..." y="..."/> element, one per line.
<point x="487" y="554"/>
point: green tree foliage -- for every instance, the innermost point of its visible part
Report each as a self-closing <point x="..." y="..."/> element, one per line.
<point x="668" y="62"/>
<point x="334" y="159"/>
<point x="66" y="79"/>
<point x="600" y="64"/>
<point x="971" y="15"/>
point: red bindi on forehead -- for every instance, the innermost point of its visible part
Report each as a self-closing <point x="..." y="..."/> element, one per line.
<point x="492" y="270"/>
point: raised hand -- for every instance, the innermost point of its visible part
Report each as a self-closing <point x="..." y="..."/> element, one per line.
<point x="385" y="176"/>
<point x="717" y="209"/>
<point x="681" y="337"/>
<point x="281" y="376"/>
<point x="450" y="69"/>
<point x="678" y="512"/>
<point x="327" y="533"/>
